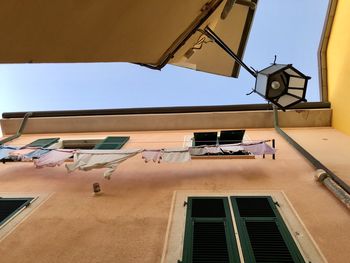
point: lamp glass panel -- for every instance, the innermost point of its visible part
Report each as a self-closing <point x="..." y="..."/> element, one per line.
<point x="261" y="84"/>
<point x="291" y="72"/>
<point x="286" y="100"/>
<point x="296" y="92"/>
<point x="296" y="82"/>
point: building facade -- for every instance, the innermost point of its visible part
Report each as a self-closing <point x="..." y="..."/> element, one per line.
<point x="140" y="215"/>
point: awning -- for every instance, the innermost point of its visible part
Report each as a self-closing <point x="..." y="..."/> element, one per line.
<point x="152" y="32"/>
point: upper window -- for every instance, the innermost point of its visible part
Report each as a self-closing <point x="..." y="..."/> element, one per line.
<point x="80" y="144"/>
<point x="212" y="138"/>
<point x="109" y="143"/>
<point x="9" y="207"/>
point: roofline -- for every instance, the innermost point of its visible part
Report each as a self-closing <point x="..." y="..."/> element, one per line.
<point x="322" y="49"/>
<point x="161" y="110"/>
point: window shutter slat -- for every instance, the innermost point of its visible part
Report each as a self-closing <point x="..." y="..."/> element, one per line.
<point x="209" y="243"/>
<point x="263" y="234"/>
<point x="43" y="142"/>
<point x="267" y="242"/>
<point x="112" y="143"/>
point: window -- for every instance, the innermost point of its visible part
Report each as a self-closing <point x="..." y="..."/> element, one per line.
<point x="224" y="137"/>
<point x="9" y="207"/>
<point x="209" y="235"/>
<point x="79" y="144"/>
<point x="109" y="143"/>
<point x="236" y="227"/>
<point x="212" y="138"/>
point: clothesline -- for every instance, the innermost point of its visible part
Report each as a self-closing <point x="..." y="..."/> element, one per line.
<point x="177" y="141"/>
<point x="110" y="159"/>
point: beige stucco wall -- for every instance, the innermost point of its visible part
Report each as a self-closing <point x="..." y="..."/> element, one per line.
<point x="328" y="145"/>
<point x="128" y="222"/>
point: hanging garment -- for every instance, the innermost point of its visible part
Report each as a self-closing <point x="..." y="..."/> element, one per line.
<point x="86" y="160"/>
<point x="35" y="155"/>
<point x="177" y="155"/>
<point x="197" y="151"/>
<point x="213" y="149"/>
<point x="231" y="148"/>
<point x="5" y="151"/>
<point x="53" y="158"/>
<point x="259" y="149"/>
<point x="152" y="155"/>
<point x="21" y="152"/>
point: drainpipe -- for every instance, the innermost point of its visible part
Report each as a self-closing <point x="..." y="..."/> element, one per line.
<point x="336" y="185"/>
<point x="20" y="130"/>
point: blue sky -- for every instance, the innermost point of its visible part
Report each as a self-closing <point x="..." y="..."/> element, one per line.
<point x="291" y="29"/>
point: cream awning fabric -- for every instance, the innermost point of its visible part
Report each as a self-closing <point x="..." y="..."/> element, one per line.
<point x="153" y="32"/>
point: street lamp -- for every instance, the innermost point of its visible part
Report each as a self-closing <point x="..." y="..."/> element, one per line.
<point x="282" y="85"/>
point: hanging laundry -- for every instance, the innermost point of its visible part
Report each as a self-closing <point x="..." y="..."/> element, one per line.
<point x="86" y="160"/>
<point x="21" y="152"/>
<point x="177" y="155"/>
<point x="213" y="149"/>
<point x="35" y="155"/>
<point x="5" y="151"/>
<point x="197" y="151"/>
<point x="259" y="148"/>
<point x="152" y="155"/>
<point x="53" y="158"/>
<point x="231" y="148"/>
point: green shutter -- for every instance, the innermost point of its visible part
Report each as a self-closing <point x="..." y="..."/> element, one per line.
<point x="43" y="142"/>
<point x="209" y="235"/>
<point x="10" y="206"/>
<point x="112" y="143"/>
<point x="205" y="138"/>
<point x="263" y="234"/>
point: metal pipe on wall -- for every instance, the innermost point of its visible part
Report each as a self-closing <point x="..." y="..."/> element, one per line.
<point x="336" y="185"/>
<point x="20" y="130"/>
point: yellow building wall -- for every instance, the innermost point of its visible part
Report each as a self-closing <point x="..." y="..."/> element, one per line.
<point x="338" y="66"/>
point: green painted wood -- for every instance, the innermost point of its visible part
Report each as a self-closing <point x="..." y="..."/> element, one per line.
<point x="43" y="142"/>
<point x="263" y="234"/>
<point x="209" y="235"/>
<point x="112" y="143"/>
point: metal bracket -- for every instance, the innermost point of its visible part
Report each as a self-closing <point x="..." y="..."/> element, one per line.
<point x="250" y="4"/>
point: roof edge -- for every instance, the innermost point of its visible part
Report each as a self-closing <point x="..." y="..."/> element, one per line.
<point x="160" y="110"/>
<point x="322" y="49"/>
